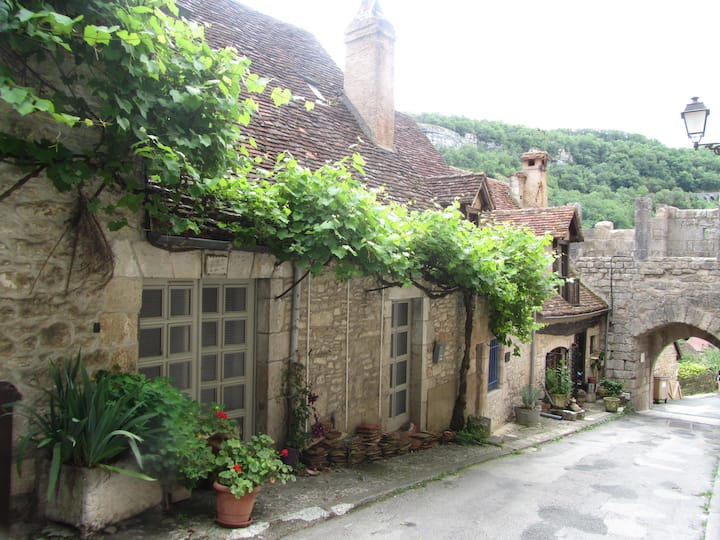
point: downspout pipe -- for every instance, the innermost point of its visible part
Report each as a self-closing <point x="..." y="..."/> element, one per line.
<point x="294" y="331"/>
<point x="295" y="317"/>
<point x="532" y="353"/>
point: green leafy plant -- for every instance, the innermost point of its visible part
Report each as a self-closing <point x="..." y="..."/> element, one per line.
<point x="530" y="395"/>
<point x="691" y="369"/>
<point x="301" y="408"/>
<point x="175" y="445"/>
<point x="82" y="424"/>
<point x="473" y="433"/>
<point x="559" y="379"/>
<point x="597" y="364"/>
<point x="612" y="388"/>
<point x="244" y="465"/>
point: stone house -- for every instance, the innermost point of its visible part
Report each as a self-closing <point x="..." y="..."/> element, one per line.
<point x="215" y="319"/>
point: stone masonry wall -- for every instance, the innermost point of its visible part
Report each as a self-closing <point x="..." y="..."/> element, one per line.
<point x="41" y="323"/>
<point x="669" y="233"/>
<point x="346" y="346"/>
<point x="654" y="302"/>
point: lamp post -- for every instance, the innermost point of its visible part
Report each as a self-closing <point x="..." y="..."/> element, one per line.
<point x="695" y="118"/>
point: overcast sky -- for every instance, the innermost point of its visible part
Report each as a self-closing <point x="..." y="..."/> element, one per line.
<point x="628" y="65"/>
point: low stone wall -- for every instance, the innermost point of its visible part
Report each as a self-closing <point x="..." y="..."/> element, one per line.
<point x="699" y="384"/>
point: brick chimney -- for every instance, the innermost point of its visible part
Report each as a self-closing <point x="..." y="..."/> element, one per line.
<point x="370" y="72"/>
<point x="529" y="186"/>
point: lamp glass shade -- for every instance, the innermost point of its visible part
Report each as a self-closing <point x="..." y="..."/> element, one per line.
<point x="695" y="116"/>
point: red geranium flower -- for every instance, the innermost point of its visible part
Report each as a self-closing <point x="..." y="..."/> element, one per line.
<point x="222" y="415"/>
<point x="284" y="452"/>
<point x="237" y="468"/>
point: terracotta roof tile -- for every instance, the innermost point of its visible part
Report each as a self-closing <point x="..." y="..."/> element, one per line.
<point x="294" y="59"/>
<point x="463" y="187"/>
<point x="557" y="306"/>
<point x="500" y="194"/>
<point x="561" y="222"/>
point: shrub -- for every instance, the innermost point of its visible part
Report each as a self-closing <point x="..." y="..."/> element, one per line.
<point x="175" y="445"/>
<point x="612" y="388"/>
<point x="690" y="369"/>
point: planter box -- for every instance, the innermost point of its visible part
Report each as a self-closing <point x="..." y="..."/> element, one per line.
<point x="91" y="499"/>
<point x="611" y="404"/>
<point x="527" y="417"/>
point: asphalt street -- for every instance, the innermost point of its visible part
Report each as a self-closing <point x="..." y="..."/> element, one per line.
<point x="645" y="476"/>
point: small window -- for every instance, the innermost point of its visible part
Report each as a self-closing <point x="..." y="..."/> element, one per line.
<point x="494" y="365"/>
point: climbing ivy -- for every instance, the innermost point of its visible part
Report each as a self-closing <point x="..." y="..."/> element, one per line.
<point x="141" y="104"/>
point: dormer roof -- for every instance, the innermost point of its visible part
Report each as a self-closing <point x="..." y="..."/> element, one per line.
<point x="562" y="222"/>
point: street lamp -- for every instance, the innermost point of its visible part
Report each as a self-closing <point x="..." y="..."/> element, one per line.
<point x="695" y="117"/>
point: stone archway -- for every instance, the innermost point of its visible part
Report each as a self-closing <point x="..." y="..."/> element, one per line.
<point x="651" y="344"/>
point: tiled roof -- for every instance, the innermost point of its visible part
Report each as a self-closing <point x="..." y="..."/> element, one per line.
<point x="590" y="303"/>
<point x="500" y="193"/>
<point x="294" y="59"/>
<point x="561" y="222"/>
<point x="463" y="187"/>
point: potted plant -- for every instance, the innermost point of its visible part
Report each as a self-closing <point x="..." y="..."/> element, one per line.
<point x="242" y="467"/>
<point x="176" y="447"/>
<point x="88" y="435"/>
<point x="558" y="383"/>
<point x="612" y="390"/>
<point x="528" y="414"/>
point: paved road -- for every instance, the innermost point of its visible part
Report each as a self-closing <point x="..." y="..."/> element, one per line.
<point x="645" y="476"/>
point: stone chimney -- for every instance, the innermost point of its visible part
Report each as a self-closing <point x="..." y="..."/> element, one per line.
<point x="529" y="186"/>
<point x="370" y="72"/>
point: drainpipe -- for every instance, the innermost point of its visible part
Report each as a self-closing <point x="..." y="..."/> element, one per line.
<point x="295" y="319"/>
<point x="347" y="356"/>
<point x="294" y="330"/>
<point x="532" y="353"/>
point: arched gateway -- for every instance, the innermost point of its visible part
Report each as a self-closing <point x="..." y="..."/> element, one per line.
<point x="661" y="281"/>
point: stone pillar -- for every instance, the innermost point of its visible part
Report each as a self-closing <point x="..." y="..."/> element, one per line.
<point x="643" y="206"/>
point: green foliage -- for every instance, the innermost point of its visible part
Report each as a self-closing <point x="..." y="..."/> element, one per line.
<point x="84" y="424"/>
<point x="530" y="395"/>
<point x="473" y="434"/>
<point x="559" y="380"/>
<point x="505" y="264"/>
<point x="691" y="369"/>
<point x="141" y="83"/>
<point x="605" y="171"/>
<point x="612" y="388"/>
<point x="175" y="445"/>
<point x="242" y="466"/>
<point x="301" y="406"/>
<point x="709" y="357"/>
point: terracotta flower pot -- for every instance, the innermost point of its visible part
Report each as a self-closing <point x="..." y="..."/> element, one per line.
<point x="231" y="511"/>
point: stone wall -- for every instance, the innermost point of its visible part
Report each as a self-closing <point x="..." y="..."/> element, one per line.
<point x="684" y="233"/>
<point x="344" y="327"/>
<point x="666" y="364"/>
<point x="345" y="342"/>
<point x="669" y="233"/>
<point x="653" y="303"/>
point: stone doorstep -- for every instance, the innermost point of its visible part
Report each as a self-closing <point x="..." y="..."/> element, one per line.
<point x="569" y="415"/>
